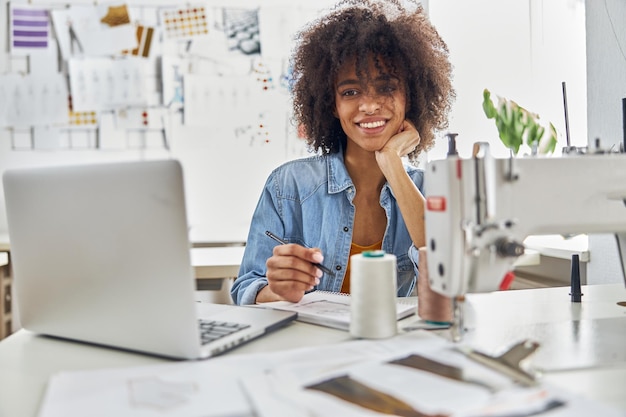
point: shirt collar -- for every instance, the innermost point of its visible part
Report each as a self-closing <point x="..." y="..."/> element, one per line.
<point x="338" y="177"/>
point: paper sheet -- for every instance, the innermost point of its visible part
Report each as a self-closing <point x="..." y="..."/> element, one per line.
<point x="33" y="100"/>
<point x="275" y="384"/>
<point x="29" y="30"/>
<point x="101" y="30"/>
<point x="175" y="389"/>
<point x="106" y="84"/>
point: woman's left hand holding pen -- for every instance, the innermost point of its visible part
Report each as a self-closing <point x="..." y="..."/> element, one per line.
<point x="291" y="272"/>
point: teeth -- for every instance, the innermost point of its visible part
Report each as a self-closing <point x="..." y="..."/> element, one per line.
<point x="372" y="125"/>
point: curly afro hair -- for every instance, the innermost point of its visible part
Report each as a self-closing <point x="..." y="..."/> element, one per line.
<point x="403" y="40"/>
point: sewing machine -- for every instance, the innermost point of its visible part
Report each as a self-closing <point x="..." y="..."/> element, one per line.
<point x="480" y="209"/>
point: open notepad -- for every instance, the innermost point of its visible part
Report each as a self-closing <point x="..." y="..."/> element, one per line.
<point x="332" y="309"/>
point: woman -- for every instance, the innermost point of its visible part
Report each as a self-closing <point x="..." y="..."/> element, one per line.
<point x="372" y="84"/>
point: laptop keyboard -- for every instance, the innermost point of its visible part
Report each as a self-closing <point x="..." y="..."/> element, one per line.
<point x="211" y="330"/>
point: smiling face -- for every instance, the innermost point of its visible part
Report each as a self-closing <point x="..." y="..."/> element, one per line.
<point x="370" y="111"/>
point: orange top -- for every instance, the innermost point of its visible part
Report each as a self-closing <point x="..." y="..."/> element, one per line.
<point x="355" y="249"/>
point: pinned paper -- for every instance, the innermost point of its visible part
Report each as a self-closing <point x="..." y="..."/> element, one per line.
<point x="94" y="30"/>
<point x="242" y="30"/>
<point x="82" y="118"/>
<point x="140" y="118"/>
<point x="32" y="100"/>
<point x="105" y="84"/>
<point x="144" y="42"/>
<point x="173" y="68"/>
<point x="184" y="23"/>
<point x="29" y="29"/>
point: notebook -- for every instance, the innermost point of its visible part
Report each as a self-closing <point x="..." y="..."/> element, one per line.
<point x="101" y="254"/>
<point x="332" y="309"/>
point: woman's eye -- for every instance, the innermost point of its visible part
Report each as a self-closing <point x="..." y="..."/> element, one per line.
<point x="349" y="93"/>
<point x="386" y="89"/>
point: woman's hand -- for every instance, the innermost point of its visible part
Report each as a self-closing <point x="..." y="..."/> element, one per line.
<point x="401" y="144"/>
<point x="290" y="273"/>
<point x="404" y="141"/>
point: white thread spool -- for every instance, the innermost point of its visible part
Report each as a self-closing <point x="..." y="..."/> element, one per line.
<point x="373" y="292"/>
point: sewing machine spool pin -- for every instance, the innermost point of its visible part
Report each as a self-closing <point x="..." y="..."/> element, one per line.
<point x="576" y="292"/>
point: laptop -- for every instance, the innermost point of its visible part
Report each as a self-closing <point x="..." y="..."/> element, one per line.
<point x="101" y="254"/>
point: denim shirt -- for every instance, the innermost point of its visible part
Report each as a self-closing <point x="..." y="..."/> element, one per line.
<point x="309" y="201"/>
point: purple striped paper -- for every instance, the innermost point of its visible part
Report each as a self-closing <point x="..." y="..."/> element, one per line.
<point x="30" y="28"/>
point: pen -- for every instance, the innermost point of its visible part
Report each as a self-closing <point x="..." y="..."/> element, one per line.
<point x="283" y="242"/>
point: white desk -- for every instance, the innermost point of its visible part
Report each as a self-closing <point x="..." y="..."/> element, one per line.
<point x="215" y="269"/>
<point x="216" y="262"/>
<point x="27" y="361"/>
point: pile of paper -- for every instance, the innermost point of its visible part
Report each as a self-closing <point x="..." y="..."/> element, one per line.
<point x="416" y="374"/>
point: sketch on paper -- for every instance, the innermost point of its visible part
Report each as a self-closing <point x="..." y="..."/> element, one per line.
<point x="106" y="84"/>
<point x="29" y="100"/>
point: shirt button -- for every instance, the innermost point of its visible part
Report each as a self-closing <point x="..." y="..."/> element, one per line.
<point x="345" y="229"/>
<point x="338" y="267"/>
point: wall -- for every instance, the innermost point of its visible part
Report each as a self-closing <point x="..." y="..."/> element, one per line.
<point x="606" y="85"/>
<point x="521" y="49"/>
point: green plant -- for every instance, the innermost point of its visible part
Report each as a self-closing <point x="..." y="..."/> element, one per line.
<point x="516" y="124"/>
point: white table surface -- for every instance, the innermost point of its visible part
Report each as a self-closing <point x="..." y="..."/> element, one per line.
<point x="27" y="361"/>
<point x="216" y="262"/>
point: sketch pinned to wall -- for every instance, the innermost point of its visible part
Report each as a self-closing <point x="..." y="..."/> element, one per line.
<point x="140" y="118"/>
<point x="65" y="36"/>
<point x="145" y="36"/>
<point x="262" y="74"/>
<point x="144" y="127"/>
<point x="279" y="26"/>
<point x="184" y="23"/>
<point x="50" y="97"/>
<point x="104" y="29"/>
<point x="29" y="29"/>
<point x="264" y="129"/>
<point x="106" y="84"/>
<point x="172" y="70"/>
<point x="242" y="30"/>
<point x="32" y="100"/>
<point x="211" y="99"/>
<point x="13" y="91"/>
<point x="260" y="120"/>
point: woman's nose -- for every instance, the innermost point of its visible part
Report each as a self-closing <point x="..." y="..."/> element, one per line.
<point x="370" y="103"/>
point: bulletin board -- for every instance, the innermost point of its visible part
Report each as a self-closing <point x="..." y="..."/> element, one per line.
<point x="205" y="82"/>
